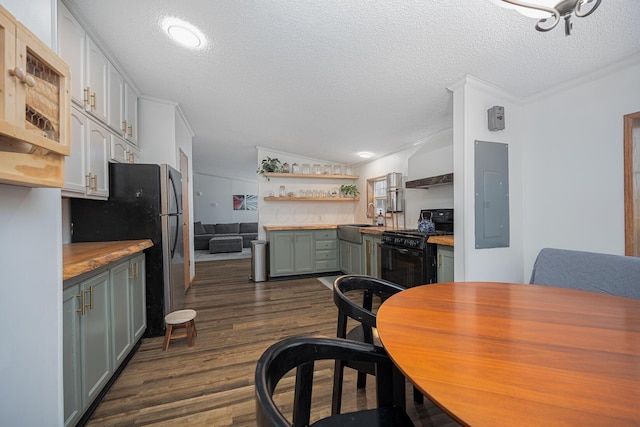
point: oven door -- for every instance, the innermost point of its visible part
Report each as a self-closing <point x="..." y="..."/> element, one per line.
<point x="407" y="267"/>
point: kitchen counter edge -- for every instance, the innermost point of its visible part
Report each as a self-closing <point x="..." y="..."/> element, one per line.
<point x="80" y="258"/>
<point x="441" y="240"/>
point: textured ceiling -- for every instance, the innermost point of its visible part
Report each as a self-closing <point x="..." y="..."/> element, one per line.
<point x="329" y="78"/>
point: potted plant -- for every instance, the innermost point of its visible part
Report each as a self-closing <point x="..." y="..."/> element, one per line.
<point x="269" y="165"/>
<point x="349" y="190"/>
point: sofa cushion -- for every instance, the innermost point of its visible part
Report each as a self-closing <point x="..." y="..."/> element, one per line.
<point x="198" y="228"/>
<point x="210" y="228"/>
<point x="231" y="228"/>
<point x="248" y="227"/>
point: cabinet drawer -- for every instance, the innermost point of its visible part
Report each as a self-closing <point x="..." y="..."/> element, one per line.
<point x="326" y="244"/>
<point x="326" y="234"/>
<point x="327" y="265"/>
<point x="332" y="254"/>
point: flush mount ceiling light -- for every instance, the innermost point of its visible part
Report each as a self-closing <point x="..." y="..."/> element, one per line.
<point x="183" y="33"/>
<point x="365" y="154"/>
<point x="549" y="11"/>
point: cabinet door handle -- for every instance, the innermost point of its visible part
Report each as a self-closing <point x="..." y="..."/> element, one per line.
<point x="131" y="272"/>
<point x="81" y="309"/>
<point x="90" y="305"/>
<point x="88" y="181"/>
<point x="87" y="91"/>
<point x="95" y="182"/>
<point x="93" y="101"/>
<point x="439" y="260"/>
<point x="131" y="130"/>
<point x="124" y="126"/>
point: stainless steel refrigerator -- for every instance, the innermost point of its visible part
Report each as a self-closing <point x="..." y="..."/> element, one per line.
<point x="145" y="202"/>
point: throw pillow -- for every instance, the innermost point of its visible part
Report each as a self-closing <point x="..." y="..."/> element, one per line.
<point x="198" y="228"/>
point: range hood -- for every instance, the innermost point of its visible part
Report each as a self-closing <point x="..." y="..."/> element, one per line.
<point x="431" y="181"/>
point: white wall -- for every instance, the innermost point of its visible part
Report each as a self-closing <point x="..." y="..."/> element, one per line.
<point x="433" y="157"/>
<point x="31" y="285"/>
<point x="573" y="169"/>
<point x="213" y="199"/>
<point x="157" y="131"/>
<point x="297" y="212"/>
<point x="472" y="99"/>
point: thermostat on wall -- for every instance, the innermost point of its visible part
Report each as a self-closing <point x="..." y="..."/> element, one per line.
<point x="496" y="117"/>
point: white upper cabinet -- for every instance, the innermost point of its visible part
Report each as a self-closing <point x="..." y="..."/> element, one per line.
<point x="87" y="169"/>
<point x="130" y="114"/>
<point x="72" y="48"/>
<point x="115" y="101"/>
<point x="95" y="94"/>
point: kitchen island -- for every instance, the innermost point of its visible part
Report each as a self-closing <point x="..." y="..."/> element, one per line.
<point x="315" y="248"/>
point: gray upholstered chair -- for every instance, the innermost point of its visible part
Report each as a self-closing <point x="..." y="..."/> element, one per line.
<point x="589" y="271"/>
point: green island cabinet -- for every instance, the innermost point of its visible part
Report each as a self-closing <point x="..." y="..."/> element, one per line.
<point x="445" y="265"/>
<point x="103" y="318"/>
<point x="326" y="254"/>
<point x="293" y="252"/>
<point x="372" y="255"/>
<point x="350" y="257"/>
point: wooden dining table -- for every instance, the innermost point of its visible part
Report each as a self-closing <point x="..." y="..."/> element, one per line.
<point x="497" y="354"/>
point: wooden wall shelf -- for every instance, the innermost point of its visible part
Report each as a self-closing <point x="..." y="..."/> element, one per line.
<point x="312" y="176"/>
<point x="311" y="199"/>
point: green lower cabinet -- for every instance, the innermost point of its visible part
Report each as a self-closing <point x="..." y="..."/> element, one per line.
<point x="138" y="297"/>
<point x="445" y="268"/>
<point x="291" y="252"/>
<point x="350" y="257"/>
<point x="103" y="317"/>
<point x="371" y="255"/>
<point x="326" y="256"/>
<point x="95" y="339"/>
<point x="121" y="325"/>
<point x="71" y="301"/>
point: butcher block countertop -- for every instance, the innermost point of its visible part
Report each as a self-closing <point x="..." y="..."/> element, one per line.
<point x="79" y="258"/>
<point x="299" y="227"/>
<point x="364" y="230"/>
<point x="441" y="240"/>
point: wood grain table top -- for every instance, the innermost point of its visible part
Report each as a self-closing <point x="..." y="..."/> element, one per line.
<point x="79" y="258"/>
<point x="493" y="354"/>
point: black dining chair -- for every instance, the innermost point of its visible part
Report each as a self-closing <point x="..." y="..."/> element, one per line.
<point x="301" y="353"/>
<point x="365" y="315"/>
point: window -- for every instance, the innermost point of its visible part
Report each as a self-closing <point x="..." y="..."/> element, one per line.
<point x="377" y="194"/>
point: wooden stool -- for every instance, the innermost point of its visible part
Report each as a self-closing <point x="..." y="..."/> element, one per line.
<point x="180" y="319"/>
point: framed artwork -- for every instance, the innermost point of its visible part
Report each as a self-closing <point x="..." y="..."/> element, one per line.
<point x="251" y="202"/>
<point x="238" y="202"/>
<point x="245" y="202"/>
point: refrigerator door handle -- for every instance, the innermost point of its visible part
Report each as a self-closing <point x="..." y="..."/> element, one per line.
<point x="174" y="194"/>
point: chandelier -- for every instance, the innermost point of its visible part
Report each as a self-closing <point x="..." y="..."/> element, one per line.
<point x="549" y="12"/>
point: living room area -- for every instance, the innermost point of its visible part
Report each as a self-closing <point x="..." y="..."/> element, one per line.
<point x="225" y="217"/>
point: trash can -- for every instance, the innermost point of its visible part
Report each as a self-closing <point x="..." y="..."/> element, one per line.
<point x="259" y="260"/>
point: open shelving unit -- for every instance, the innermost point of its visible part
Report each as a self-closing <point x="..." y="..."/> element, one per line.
<point x="312" y="176"/>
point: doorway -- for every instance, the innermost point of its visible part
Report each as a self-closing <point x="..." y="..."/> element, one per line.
<point x="632" y="184"/>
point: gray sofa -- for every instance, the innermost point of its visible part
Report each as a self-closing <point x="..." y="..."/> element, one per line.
<point x="589" y="271"/>
<point x="202" y="233"/>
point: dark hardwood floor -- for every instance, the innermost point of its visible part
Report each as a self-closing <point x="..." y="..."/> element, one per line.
<point x="211" y="384"/>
